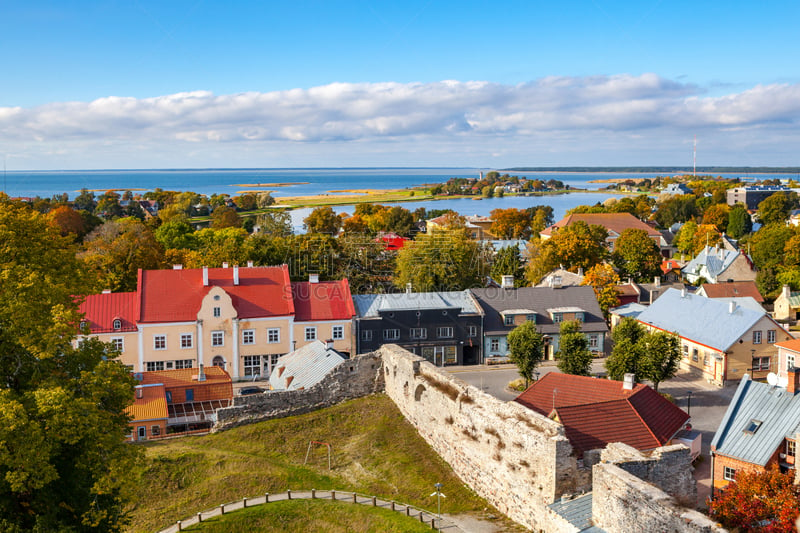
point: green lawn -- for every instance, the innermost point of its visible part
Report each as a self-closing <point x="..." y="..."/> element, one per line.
<point x="375" y="452"/>
<point x="312" y="515"/>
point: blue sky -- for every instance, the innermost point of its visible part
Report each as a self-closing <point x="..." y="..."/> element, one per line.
<point x="138" y="84"/>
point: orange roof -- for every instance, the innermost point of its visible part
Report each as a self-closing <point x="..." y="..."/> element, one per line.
<point x="185" y="376"/>
<point x="176" y="295"/>
<point x="151" y="406"/>
<point x="101" y="310"/>
<point x="596" y="412"/>
<point x="614" y="222"/>
<point x="793" y="345"/>
<point x="733" y="289"/>
<point x="324" y="300"/>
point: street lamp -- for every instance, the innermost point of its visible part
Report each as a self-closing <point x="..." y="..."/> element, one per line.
<point x="439" y="497"/>
<point x="689" y="403"/>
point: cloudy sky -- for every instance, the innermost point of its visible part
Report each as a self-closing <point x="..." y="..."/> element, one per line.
<point x="138" y="84"/>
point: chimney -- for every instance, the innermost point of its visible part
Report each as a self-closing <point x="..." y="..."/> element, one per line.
<point x="313" y="278"/>
<point x="786" y="292"/>
<point x="201" y="376"/>
<point x="629" y="381"/>
<point x="205" y="276"/>
<point x="508" y="282"/>
<point x="225" y="264"/>
<point x="177" y="267"/>
<point x="793" y="385"/>
<point x="731" y="307"/>
<point x="235" y="274"/>
<point x="249" y="264"/>
<point x="683" y="292"/>
<point x="329" y="344"/>
<point x="657" y="281"/>
<point x="408" y="288"/>
<point x="580" y="271"/>
<point x="106" y="291"/>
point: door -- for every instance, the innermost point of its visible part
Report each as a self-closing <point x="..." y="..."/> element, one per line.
<point x="189" y="395"/>
<point x="141" y="433"/>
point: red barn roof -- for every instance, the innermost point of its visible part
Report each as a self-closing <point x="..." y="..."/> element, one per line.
<point x="101" y="310"/>
<point x="176" y="295"/>
<point x="325" y="300"/>
<point x="596" y="412"/>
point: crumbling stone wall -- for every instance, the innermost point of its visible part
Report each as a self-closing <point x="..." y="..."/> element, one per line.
<point x="518" y="460"/>
<point x="623" y="502"/>
<point x="352" y="378"/>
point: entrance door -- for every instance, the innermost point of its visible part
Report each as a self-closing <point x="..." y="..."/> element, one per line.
<point x="141" y="433"/>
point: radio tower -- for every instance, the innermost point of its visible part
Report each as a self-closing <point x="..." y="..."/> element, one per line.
<point x="694" y="158"/>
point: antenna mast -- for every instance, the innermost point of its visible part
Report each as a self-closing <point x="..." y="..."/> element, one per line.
<point x="694" y="157"/>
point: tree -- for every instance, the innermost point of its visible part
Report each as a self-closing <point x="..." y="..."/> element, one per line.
<point x="604" y="281"/>
<point x="625" y="354"/>
<point x="660" y="356"/>
<point x="225" y="217"/>
<point x="508" y="262"/>
<point x="578" y="245"/>
<point x="718" y="216"/>
<point x="85" y="201"/>
<point x="573" y="354"/>
<point x="637" y="255"/>
<point x="65" y="465"/>
<point x="525" y="349"/>
<point x="767" y="245"/>
<point x="775" y="208"/>
<point x="275" y="223"/>
<point x="323" y="220"/>
<point x="108" y="206"/>
<point x="684" y="240"/>
<point x="511" y="223"/>
<point x="226" y="245"/>
<point x="68" y="222"/>
<point x="366" y="264"/>
<point x="176" y="234"/>
<point x="676" y="209"/>
<point x="441" y="260"/>
<point x="758" y="501"/>
<point x="739" y="222"/>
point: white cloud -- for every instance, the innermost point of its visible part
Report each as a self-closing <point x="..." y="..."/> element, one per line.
<point x="549" y="115"/>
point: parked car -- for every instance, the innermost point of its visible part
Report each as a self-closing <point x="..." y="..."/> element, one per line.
<point x="244" y="391"/>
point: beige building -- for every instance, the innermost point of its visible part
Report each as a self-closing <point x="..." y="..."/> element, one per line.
<point x="240" y="319"/>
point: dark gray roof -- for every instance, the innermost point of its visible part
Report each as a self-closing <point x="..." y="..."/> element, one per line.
<point x="776" y="409"/>
<point x="370" y="305"/>
<point x="494" y="301"/>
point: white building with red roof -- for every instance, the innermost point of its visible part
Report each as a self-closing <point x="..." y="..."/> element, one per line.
<point x="241" y="318"/>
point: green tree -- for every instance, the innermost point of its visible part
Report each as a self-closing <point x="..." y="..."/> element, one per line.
<point x="578" y="245"/>
<point x="526" y="349"/>
<point x="85" y="201"/>
<point x="739" y="222"/>
<point x="684" y="240"/>
<point x="676" y="209"/>
<point x="176" y="234"/>
<point x="323" y="220"/>
<point x="775" y="208"/>
<point x="660" y="356"/>
<point x="365" y="263"/>
<point x="767" y="245"/>
<point x="64" y="465"/>
<point x="226" y="245"/>
<point x="108" y="206"/>
<point x="508" y="262"/>
<point x="275" y="223"/>
<point x="441" y="260"/>
<point x="636" y="255"/>
<point x="573" y="354"/>
<point x="625" y="354"/>
<point x="604" y="281"/>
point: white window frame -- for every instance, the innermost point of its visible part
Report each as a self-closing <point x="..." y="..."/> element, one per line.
<point x="729" y="474"/>
<point x="117" y="324"/>
<point x="494" y="345"/>
<point x="153" y="366"/>
<point x="508" y="320"/>
<point x="593" y="340"/>
<point x="119" y="343"/>
<point x="310" y="333"/>
<point x="217" y="338"/>
<point x="248" y="336"/>
<point x="184" y="363"/>
<point x="761" y="367"/>
<point x="366" y="334"/>
<point x="790" y="361"/>
<point x="472" y="331"/>
<point x="337" y="333"/>
<point x="419" y="333"/>
<point x="444" y="332"/>
<point x="791" y="448"/>
<point x="771" y="336"/>
<point x="757" y="336"/>
<point x="187" y="341"/>
<point x="159" y="342"/>
<point x="250" y="363"/>
<point x="391" y="334"/>
<point x="273" y="335"/>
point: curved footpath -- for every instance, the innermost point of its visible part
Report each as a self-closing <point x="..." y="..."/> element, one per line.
<point x="427" y="517"/>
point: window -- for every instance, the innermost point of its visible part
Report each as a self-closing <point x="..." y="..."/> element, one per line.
<point x="187" y="340"/>
<point x="771" y="336"/>
<point x="248" y="336"/>
<point x="391" y="334"/>
<point x="729" y="474"/>
<point x="155" y="431"/>
<point x="184" y="363"/>
<point x="169" y="396"/>
<point x="579" y="317"/>
<point x="117" y="325"/>
<point x="118" y="343"/>
<point x="694" y="354"/>
<point x="760" y="364"/>
<point x="311" y="334"/>
<point x="419" y="333"/>
<point x="217" y="311"/>
<point x="686" y="351"/>
<point x="252" y="365"/>
<point x="789" y="361"/>
<point x="557" y="318"/>
<point x="170" y="365"/>
<point x="189" y="395"/>
<point x="337" y="332"/>
<point x="756" y="337"/>
<point x="791" y="448"/>
<point x="472" y="331"/>
<point x="706" y="360"/>
<point x="445" y="332"/>
<point x="752" y="426"/>
<point x="217" y="338"/>
<point x="273" y="335"/>
<point x="508" y="320"/>
<point x="494" y="345"/>
<point x="152" y="366"/>
<point x="159" y="342"/>
<point x="530" y="318"/>
<point x="592" y="341"/>
<point x="366" y="335"/>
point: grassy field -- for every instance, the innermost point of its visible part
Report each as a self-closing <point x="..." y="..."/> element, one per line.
<point x="375" y="452"/>
<point x="317" y="515"/>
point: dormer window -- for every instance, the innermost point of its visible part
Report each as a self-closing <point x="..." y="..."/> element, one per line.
<point x="752" y="426"/>
<point x="557" y="318"/>
<point x="508" y="320"/>
<point x="117" y="324"/>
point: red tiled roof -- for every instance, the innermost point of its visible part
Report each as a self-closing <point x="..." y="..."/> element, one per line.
<point x="151" y="406"/>
<point x="616" y="222"/>
<point x="176" y="295"/>
<point x="670" y="264"/>
<point x="596" y="412"/>
<point x="325" y="300"/>
<point x="184" y="376"/>
<point x="733" y="289"/>
<point x="793" y="345"/>
<point x="627" y="289"/>
<point x="101" y="310"/>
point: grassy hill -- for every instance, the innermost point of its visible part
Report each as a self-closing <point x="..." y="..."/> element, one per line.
<point x="375" y="452"/>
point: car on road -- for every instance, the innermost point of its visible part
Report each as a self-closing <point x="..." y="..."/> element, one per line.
<point x="245" y="391"/>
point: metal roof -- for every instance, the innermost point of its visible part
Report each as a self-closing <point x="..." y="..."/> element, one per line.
<point x="370" y="305"/>
<point x="689" y="316"/>
<point x="776" y="409"/>
<point x="632" y="310"/>
<point x="716" y="261"/>
<point x="304" y="367"/>
<point x="745" y="301"/>
<point x="577" y="512"/>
